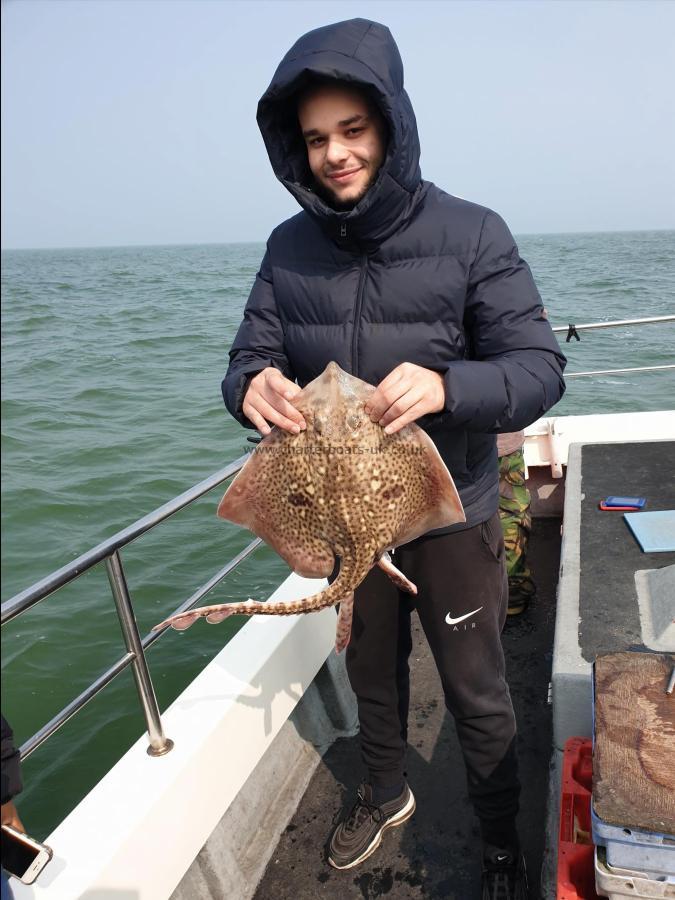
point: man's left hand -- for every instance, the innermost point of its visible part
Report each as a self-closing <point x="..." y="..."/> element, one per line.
<point x="406" y="394"/>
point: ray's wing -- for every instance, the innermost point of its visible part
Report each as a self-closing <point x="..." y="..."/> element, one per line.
<point x="276" y="497"/>
<point x="429" y="499"/>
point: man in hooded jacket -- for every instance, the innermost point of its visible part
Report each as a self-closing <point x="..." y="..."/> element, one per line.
<point x="425" y="296"/>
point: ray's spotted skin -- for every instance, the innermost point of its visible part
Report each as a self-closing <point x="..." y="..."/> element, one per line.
<point x="341" y="488"/>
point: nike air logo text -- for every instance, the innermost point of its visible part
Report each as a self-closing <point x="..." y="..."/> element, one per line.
<point x="450" y="621"/>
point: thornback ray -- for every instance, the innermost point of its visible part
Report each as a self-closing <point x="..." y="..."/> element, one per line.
<point x="342" y="489"/>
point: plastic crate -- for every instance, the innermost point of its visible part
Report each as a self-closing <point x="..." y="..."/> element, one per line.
<point x="631" y="848"/>
<point x="618" y="883"/>
<point x="576" y="853"/>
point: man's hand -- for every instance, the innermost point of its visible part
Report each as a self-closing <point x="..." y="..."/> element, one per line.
<point x="266" y="400"/>
<point x="11" y="817"/>
<point x="406" y="394"/>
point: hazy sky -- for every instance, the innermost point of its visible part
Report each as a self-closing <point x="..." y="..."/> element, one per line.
<point x="133" y="122"/>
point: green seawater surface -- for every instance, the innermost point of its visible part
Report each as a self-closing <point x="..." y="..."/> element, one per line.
<point x="111" y="405"/>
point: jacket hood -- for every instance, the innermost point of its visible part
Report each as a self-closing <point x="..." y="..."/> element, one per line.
<point x="364" y="53"/>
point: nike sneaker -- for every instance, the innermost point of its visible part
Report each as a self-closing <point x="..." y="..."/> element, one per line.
<point x="360" y="833"/>
<point x="504" y="875"/>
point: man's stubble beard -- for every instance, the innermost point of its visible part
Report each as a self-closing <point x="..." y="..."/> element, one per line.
<point x="344" y="205"/>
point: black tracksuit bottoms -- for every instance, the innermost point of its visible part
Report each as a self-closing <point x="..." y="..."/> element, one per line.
<point x="461" y="602"/>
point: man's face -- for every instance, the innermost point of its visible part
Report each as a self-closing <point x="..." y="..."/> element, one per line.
<point x="345" y="140"/>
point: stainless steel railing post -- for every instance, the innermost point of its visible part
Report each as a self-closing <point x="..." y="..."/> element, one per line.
<point x="159" y="744"/>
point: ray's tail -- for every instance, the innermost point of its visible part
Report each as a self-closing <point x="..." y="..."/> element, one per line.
<point x="349" y="577"/>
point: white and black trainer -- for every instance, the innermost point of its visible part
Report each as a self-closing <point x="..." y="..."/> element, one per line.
<point x="360" y="833"/>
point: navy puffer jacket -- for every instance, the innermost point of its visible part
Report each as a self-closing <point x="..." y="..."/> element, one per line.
<point x="410" y="274"/>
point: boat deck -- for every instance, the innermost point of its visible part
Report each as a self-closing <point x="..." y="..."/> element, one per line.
<point x="609" y="554"/>
<point x="612" y="596"/>
<point x="436" y="853"/>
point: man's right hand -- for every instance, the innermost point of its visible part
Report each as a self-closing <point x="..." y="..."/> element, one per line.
<point x="10" y="816"/>
<point x="267" y="400"/>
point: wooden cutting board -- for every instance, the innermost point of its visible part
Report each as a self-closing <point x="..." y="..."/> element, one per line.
<point x="634" y="753"/>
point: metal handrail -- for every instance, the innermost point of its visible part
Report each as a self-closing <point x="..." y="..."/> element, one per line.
<point x="108" y="551"/>
<point x="572" y="330"/>
<point x="619" y="371"/>
<point x="43" y="588"/>
<point x="95" y="687"/>
<point x="615" y="324"/>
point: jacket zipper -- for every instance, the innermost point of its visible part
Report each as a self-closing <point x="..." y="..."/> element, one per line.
<point x="357" y="312"/>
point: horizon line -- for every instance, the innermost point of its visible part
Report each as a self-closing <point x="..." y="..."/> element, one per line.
<point x="263" y="241"/>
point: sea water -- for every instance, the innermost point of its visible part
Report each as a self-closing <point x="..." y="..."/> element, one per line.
<point x="111" y="405"/>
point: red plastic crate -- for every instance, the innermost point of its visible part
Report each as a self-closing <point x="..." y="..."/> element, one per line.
<point x="576" y="865"/>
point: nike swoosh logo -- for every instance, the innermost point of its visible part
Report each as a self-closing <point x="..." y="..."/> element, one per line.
<point x="450" y="621"/>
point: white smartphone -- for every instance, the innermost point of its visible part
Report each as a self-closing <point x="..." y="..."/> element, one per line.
<point x="23" y="856"/>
